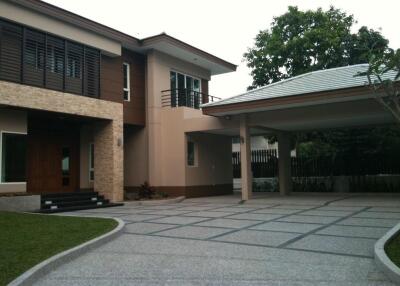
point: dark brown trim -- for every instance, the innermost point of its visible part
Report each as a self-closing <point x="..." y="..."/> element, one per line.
<point x="284" y="100"/>
<point x="174" y="41"/>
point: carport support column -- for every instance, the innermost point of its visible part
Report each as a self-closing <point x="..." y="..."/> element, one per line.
<point x="284" y="164"/>
<point x="245" y="158"/>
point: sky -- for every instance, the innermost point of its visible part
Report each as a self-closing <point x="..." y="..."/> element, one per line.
<point x="224" y="28"/>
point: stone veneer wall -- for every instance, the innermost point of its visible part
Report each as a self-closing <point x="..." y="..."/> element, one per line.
<point x="108" y="132"/>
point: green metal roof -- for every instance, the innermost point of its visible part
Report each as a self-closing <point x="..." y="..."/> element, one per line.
<point x="318" y="81"/>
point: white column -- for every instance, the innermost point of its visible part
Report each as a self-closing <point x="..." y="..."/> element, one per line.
<point x="245" y="158"/>
<point x="284" y="164"/>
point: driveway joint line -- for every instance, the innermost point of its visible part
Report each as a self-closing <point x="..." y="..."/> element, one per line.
<point x="290" y="241"/>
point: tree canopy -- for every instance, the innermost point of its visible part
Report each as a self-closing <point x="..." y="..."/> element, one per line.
<point x="302" y="41"/>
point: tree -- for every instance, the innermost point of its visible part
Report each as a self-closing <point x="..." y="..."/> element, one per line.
<point x="302" y="41"/>
<point x="383" y="73"/>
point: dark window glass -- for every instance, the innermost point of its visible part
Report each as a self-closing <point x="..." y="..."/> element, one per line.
<point x="13" y="159"/>
<point x="125" y="76"/>
<point x="190" y="153"/>
<point x="65" y="165"/>
<point x="91" y="162"/>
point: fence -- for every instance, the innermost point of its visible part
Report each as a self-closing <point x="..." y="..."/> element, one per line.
<point x="264" y="164"/>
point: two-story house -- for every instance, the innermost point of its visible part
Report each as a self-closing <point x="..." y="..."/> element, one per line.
<point x="86" y="107"/>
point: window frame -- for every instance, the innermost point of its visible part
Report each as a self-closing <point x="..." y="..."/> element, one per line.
<point x="91" y="160"/>
<point x="1" y="155"/>
<point x="128" y="81"/>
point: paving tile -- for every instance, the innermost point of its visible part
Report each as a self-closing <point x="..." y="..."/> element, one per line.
<point x="230" y="223"/>
<point x="390" y="215"/>
<point x="179" y="220"/>
<point x="369" y="222"/>
<point x="327" y="213"/>
<point x="340" y="245"/>
<point x="166" y="212"/>
<point x="295" y="207"/>
<point x="208" y="214"/>
<point x="354" y="231"/>
<point x="253" y="216"/>
<point x="195" y="232"/>
<point x="275" y="211"/>
<point x="162" y="207"/>
<point x="287" y="226"/>
<point x="309" y="219"/>
<point x="195" y="208"/>
<point x="385" y="209"/>
<point x="255" y="237"/>
<point x="145" y="228"/>
<point x="139" y="217"/>
<point x="339" y="208"/>
<point x="235" y="209"/>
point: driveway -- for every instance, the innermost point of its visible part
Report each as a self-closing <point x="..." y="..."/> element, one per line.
<point x="272" y="240"/>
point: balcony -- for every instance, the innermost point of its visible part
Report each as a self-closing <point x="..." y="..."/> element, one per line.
<point x="185" y="97"/>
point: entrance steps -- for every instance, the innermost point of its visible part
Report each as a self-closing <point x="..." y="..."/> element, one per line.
<point x="63" y="202"/>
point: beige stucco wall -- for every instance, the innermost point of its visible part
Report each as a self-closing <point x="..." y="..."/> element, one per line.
<point x="135" y="156"/>
<point x="167" y="126"/>
<point x="108" y="128"/>
<point x="214" y="151"/>
<point x="43" y="22"/>
<point x="12" y="121"/>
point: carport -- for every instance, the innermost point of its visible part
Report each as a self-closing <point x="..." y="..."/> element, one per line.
<point x="327" y="99"/>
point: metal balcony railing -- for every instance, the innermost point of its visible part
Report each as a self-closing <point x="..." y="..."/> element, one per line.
<point x="185" y="97"/>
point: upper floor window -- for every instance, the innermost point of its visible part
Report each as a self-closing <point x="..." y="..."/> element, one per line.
<point x="185" y="90"/>
<point x="127" y="83"/>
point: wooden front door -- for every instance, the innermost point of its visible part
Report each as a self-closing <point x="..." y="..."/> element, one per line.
<point x="53" y="160"/>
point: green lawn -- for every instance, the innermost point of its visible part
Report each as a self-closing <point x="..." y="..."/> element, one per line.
<point x="393" y="250"/>
<point x="27" y="239"/>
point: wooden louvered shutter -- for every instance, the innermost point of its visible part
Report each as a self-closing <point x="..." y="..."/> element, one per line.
<point x="10" y="51"/>
<point x="74" y="64"/>
<point x="34" y="54"/>
<point x="92" y="72"/>
<point x="55" y="62"/>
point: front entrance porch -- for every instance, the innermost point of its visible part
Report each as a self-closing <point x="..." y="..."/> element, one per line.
<point x="53" y="154"/>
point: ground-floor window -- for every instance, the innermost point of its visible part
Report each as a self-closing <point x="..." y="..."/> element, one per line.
<point x="191" y="154"/>
<point x="91" y="162"/>
<point x="13" y="157"/>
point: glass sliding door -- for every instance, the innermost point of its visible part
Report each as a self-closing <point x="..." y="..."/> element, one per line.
<point x="189" y="91"/>
<point x="185" y="90"/>
<point x="196" y="92"/>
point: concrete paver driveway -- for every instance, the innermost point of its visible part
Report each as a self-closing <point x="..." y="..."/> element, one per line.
<point x="296" y="240"/>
